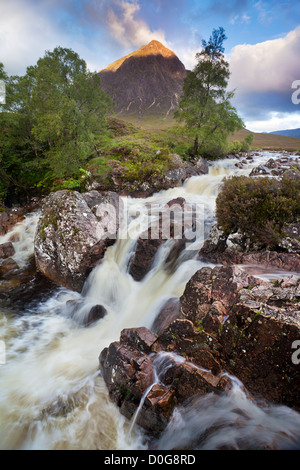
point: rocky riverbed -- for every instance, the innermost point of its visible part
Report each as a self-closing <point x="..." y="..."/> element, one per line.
<point x="174" y="324"/>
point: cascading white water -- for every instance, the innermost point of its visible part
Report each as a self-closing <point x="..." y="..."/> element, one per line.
<point x="231" y="421"/>
<point x="51" y="393"/>
<point x="22" y="237"/>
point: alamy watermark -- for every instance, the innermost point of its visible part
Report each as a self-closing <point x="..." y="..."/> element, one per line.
<point x="2" y="353"/>
<point x="296" y="354"/>
<point x="296" y="93"/>
<point x="2" y="92"/>
<point x="153" y="221"/>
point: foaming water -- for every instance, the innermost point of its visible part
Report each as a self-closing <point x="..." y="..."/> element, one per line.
<point x="51" y="393"/>
<point x="22" y="237"/>
<point x="231" y="421"/>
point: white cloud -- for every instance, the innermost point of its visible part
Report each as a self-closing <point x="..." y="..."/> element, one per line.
<point x="275" y="122"/>
<point x="270" y="66"/>
<point x="127" y="28"/>
<point x="240" y="19"/>
<point x="25" y="34"/>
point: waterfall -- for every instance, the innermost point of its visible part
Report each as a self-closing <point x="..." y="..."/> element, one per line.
<point x="51" y="393"/>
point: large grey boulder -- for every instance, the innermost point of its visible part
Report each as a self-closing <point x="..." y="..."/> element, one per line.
<point x="73" y="234"/>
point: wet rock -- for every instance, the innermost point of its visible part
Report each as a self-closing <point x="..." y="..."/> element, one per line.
<point x="25" y="288"/>
<point x="8" y="265"/>
<point x="258" y="321"/>
<point x="141" y="339"/>
<point x="169" y="312"/>
<point x="6" y="250"/>
<point x="257" y="344"/>
<point x="96" y="313"/>
<point x="284" y="261"/>
<point x="170" y="227"/>
<point x="71" y="239"/>
<point x="143" y="258"/>
<point x="10" y="217"/>
<point x="219" y="248"/>
<point x="6" y="286"/>
<point x="271" y="164"/>
<point x="130" y="368"/>
<point x="174" y="178"/>
<point x="128" y="373"/>
<point x="202" y="166"/>
<point x="228" y="320"/>
<point x="260" y="170"/>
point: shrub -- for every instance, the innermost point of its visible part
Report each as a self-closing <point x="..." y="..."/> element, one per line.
<point x="258" y="207"/>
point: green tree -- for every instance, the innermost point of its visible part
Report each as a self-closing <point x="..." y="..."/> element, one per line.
<point x="205" y="104"/>
<point x="54" y="114"/>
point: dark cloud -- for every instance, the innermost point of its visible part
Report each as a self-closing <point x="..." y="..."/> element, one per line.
<point x="256" y="106"/>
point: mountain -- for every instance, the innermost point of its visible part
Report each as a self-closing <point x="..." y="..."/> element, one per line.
<point x="147" y="82"/>
<point x="288" y="133"/>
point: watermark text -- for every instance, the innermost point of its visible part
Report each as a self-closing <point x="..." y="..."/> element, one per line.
<point x="2" y="353"/>
<point x="296" y="354"/>
<point x="296" y="93"/>
<point x="2" y="92"/>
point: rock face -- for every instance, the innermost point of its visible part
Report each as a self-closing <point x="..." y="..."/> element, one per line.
<point x="147" y="383"/>
<point x="255" y="323"/>
<point x="146" y="82"/>
<point x="6" y="250"/>
<point x="9" y="218"/>
<point x="226" y="320"/>
<point x="73" y="234"/>
<point x="174" y="218"/>
<point x="234" y="249"/>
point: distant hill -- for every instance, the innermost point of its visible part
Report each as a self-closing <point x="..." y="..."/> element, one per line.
<point x="269" y="141"/>
<point x="288" y="133"/>
<point x="147" y="82"/>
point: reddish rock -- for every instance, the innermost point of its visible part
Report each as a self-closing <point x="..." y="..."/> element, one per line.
<point x="10" y="217"/>
<point x="168" y="313"/>
<point x="170" y="226"/>
<point x="226" y="320"/>
<point x="6" y="250"/>
<point x="140" y="338"/>
<point x="96" y="313"/>
<point x="284" y="261"/>
<point x="8" y="265"/>
<point x="218" y="249"/>
<point x="257" y="346"/>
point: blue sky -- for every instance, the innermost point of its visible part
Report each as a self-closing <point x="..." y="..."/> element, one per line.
<point x="263" y="44"/>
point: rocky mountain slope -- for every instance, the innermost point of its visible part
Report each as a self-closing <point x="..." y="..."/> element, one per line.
<point x="147" y="82"/>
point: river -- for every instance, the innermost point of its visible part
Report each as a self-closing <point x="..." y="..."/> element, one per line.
<point x="52" y="395"/>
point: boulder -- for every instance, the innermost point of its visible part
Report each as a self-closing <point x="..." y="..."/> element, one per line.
<point x="253" y="325"/>
<point x="169" y="227"/>
<point x="73" y="234"/>
<point x="96" y="313"/>
<point x="236" y="249"/>
<point x="10" y="217"/>
<point x="8" y="265"/>
<point x="169" y="312"/>
<point x="6" y="250"/>
<point x="147" y="383"/>
<point x="257" y="342"/>
<point x="226" y="320"/>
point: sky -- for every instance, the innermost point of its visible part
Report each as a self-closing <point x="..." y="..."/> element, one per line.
<point x="262" y="46"/>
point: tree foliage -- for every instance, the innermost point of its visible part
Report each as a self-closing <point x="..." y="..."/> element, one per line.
<point x="205" y="106"/>
<point x="50" y="121"/>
